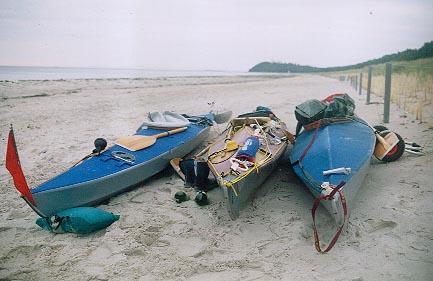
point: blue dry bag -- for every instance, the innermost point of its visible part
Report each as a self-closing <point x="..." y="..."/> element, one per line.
<point x="249" y="149"/>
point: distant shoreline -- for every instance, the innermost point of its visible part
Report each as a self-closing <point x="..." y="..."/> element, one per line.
<point x="20" y="73"/>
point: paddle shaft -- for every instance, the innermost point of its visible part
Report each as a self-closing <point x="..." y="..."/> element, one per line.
<point x="378" y="136"/>
<point x="209" y="146"/>
<point x="175" y="131"/>
<point x="381" y="139"/>
<point x="203" y="151"/>
<point x="152" y="139"/>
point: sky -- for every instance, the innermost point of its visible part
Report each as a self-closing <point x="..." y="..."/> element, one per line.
<point x="208" y="34"/>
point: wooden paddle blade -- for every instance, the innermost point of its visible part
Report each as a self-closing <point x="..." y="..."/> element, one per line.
<point x="175" y="163"/>
<point x="385" y="144"/>
<point x="136" y="142"/>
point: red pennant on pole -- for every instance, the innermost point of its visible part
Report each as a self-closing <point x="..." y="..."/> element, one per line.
<point x="14" y="167"/>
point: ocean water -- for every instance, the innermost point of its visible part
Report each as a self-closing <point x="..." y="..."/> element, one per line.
<point x="15" y="73"/>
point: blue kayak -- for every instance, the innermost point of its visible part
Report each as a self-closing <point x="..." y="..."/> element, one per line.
<point x="331" y="155"/>
<point x="115" y="169"/>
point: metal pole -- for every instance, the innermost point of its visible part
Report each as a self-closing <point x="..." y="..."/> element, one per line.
<point x="368" y="85"/>
<point x="356" y="82"/>
<point x="360" y="83"/>
<point x="387" y="98"/>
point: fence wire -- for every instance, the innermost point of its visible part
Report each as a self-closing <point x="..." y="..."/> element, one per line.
<point x="411" y="87"/>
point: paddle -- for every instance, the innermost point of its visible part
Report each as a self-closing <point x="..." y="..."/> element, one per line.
<point x="137" y="142"/>
<point x="289" y="136"/>
<point x="386" y="145"/>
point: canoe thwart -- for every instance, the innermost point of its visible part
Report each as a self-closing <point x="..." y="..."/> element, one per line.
<point x="249" y="120"/>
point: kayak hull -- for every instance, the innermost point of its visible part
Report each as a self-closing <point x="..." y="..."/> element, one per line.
<point x="114" y="171"/>
<point x="347" y="146"/>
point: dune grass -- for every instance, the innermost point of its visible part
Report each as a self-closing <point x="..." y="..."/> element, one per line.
<point x="411" y="85"/>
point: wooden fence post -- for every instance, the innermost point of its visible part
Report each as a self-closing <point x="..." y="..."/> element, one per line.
<point x="387" y="98"/>
<point x="360" y="83"/>
<point x="368" y="85"/>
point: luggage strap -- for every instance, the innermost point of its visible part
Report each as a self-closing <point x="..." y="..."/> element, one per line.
<point x="298" y="162"/>
<point x="307" y="148"/>
<point x="313" y="212"/>
<point x="327" y="121"/>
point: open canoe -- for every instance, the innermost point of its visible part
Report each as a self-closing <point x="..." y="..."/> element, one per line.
<point x="115" y="169"/>
<point x="239" y="181"/>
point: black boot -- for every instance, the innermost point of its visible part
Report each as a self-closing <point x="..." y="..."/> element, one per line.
<point x="187" y="168"/>
<point x="202" y="181"/>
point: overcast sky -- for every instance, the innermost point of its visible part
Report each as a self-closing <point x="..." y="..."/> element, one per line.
<point x="208" y="34"/>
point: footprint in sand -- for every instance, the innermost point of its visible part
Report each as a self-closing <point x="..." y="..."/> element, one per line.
<point x="381" y="226"/>
<point x="191" y="247"/>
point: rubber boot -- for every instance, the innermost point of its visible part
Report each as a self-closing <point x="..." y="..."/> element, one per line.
<point x="202" y="181"/>
<point x="187" y="168"/>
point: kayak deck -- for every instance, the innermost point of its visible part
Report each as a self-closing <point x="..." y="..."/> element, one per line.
<point x="117" y="158"/>
<point x="99" y="177"/>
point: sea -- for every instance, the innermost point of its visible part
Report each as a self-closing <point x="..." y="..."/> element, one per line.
<point x="16" y="73"/>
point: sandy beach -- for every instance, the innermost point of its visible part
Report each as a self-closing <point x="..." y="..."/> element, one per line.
<point x="389" y="235"/>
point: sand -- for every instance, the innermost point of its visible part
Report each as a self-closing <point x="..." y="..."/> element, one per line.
<point x="389" y="235"/>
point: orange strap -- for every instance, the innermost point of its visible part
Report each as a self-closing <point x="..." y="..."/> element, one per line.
<point x="314" y="125"/>
<point x="326" y="121"/>
<point x="313" y="212"/>
<point x="313" y="138"/>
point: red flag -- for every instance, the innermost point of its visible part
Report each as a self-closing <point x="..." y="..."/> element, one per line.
<point x="14" y="168"/>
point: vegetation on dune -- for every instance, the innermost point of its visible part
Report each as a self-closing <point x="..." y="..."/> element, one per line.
<point x="426" y="51"/>
<point x="411" y="85"/>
